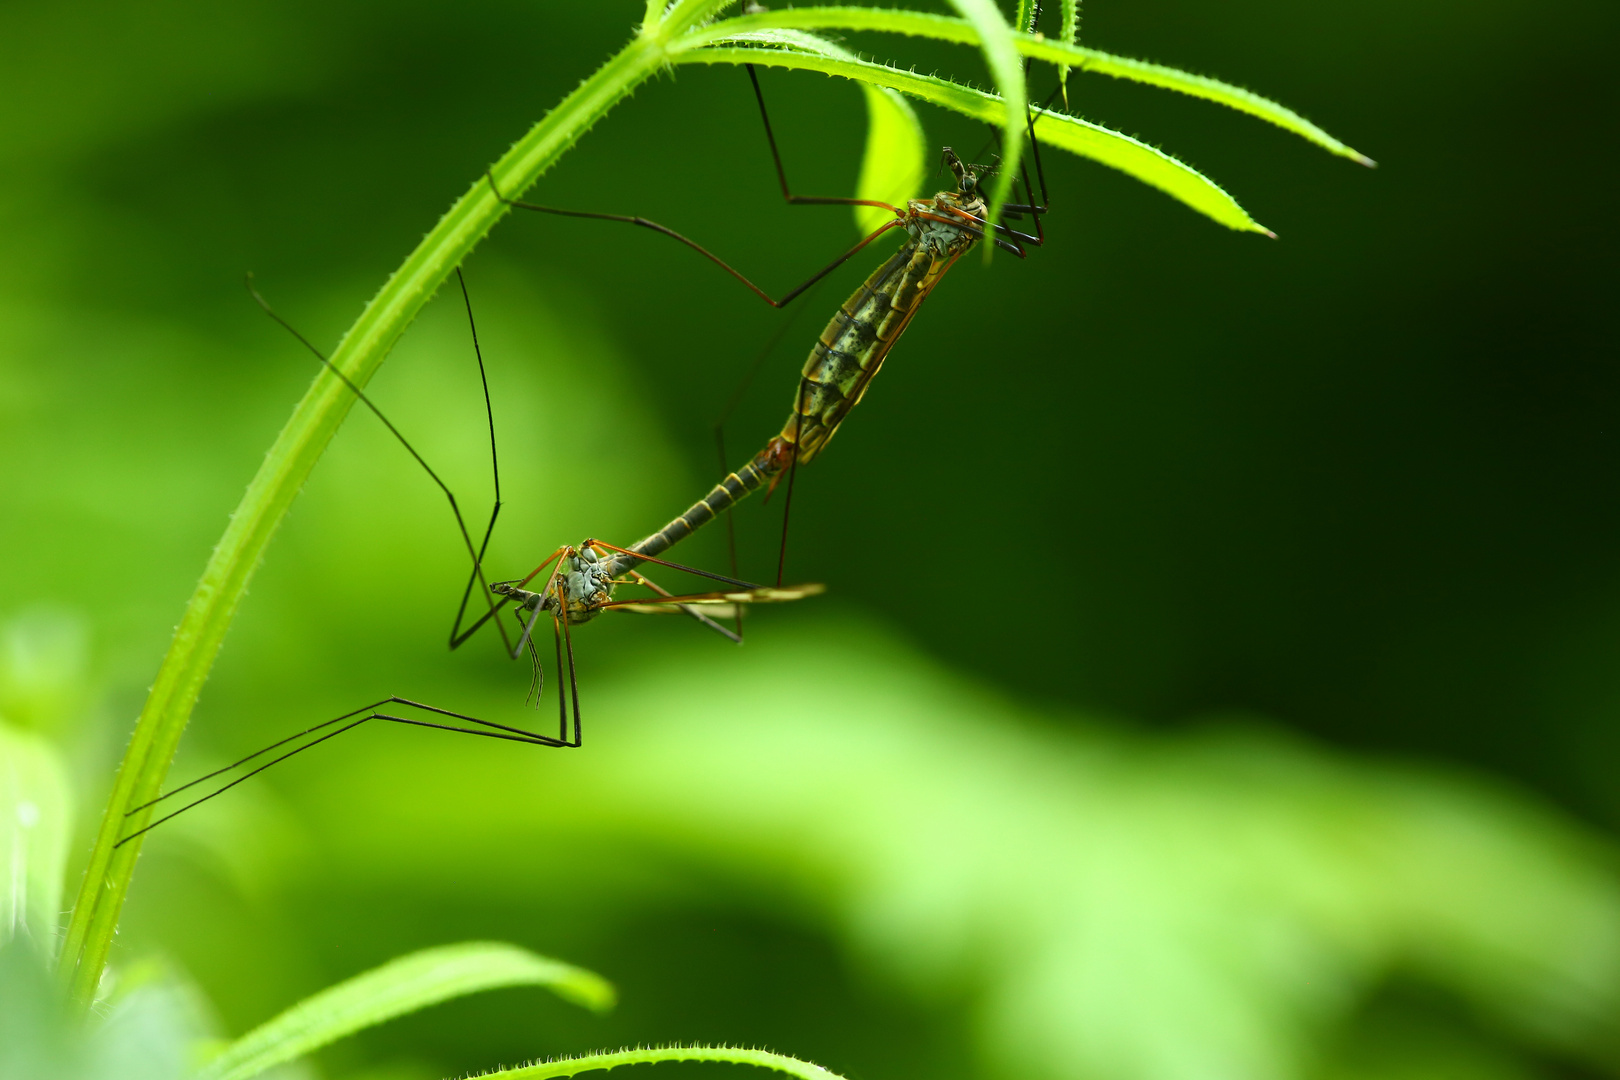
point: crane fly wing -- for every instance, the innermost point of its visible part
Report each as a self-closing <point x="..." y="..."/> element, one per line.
<point x="765" y="595"/>
<point x="713" y="611"/>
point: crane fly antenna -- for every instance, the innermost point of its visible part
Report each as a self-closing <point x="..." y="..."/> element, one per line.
<point x="455" y="508"/>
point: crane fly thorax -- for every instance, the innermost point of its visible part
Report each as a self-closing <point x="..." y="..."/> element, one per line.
<point x="940" y="225"/>
<point x="582" y="585"/>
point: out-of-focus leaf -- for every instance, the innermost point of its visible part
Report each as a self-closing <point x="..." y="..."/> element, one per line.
<point x="43" y="663"/>
<point x="995" y="42"/>
<point x="894" y="162"/>
<point x="37" y="1037"/>
<point x="1115" y="907"/>
<point x="145" y="1030"/>
<point x="35" y="815"/>
<point x="541" y="1070"/>
<point x="398" y="987"/>
<point x="150" y="1028"/>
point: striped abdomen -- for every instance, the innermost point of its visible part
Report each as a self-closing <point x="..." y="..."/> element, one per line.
<point x="852" y="347"/>
<point x="767" y="464"/>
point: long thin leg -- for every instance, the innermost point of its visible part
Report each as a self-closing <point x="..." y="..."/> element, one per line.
<point x="477" y="575"/>
<point x="1034" y="210"/>
<point x="485" y="728"/>
<point x="787" y="297"/>
<point x="689" y="609"/>
<point x="731" y="521"/>
<point x="731" y="406"/>
<point x="466" y="538"/>
<point x="781" y="173"/>
<point x="793" y="471"/>
<point x="565" y="640"/>
<point x="787" y="195"/>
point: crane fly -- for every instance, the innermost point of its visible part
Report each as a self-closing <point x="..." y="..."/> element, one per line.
<point x="582" y="578"/>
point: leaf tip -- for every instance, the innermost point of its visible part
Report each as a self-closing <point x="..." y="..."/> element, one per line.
<point x="1363" y="159"/>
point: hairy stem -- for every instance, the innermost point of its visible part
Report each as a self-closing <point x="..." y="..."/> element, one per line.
<point x="653" y="1055"/>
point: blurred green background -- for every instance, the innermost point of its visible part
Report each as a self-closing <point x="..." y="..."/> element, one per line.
<point x="1218" y="675"/>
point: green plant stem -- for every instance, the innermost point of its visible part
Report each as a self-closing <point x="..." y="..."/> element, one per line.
<point x="288" y="464"/>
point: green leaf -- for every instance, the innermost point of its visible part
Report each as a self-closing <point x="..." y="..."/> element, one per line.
<point x="896" y="155"/>
<point x="763" y="1059"/>
<point x="995" y="41"/>
<point x="1111" y="148"/>
<point x="398" y="987"/>
<point x="945" y="28"/>
<point x="35" y="815"/>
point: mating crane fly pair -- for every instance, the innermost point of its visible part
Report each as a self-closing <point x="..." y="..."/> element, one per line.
<point x="580" y="579"/>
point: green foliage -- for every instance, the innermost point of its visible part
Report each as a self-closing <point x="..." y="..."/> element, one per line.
<point x="1064" y="54"/>
<point x="1112" y="905"/>
<point x="399" y="987"/>
<point x="906" y="843"/>
<point x="895" y="159"/>
<point x="1145" y="163"/>
<point x="681" y="34"/>
<point x="35" y="816"/>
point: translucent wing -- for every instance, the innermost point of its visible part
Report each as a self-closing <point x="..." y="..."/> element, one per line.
<point x="715" y="599"/>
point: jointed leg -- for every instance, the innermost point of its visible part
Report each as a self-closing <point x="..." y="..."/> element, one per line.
<point x="488" y="729"/>
<point x="691" y="610"/>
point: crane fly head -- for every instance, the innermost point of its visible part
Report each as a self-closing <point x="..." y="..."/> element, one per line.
<point x="952" y="221"/>
<point x="967" y="176"/>
<point x="580" y="585"/>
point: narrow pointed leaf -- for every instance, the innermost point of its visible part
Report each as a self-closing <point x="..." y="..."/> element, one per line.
<point x="544" y="1070"/>
<point x="396" y="988"/>
<point x="995" y="41"/>
<point x="1077" y="136"/>
<point x="945" y="28"/>
<point x="895" y="160"/>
